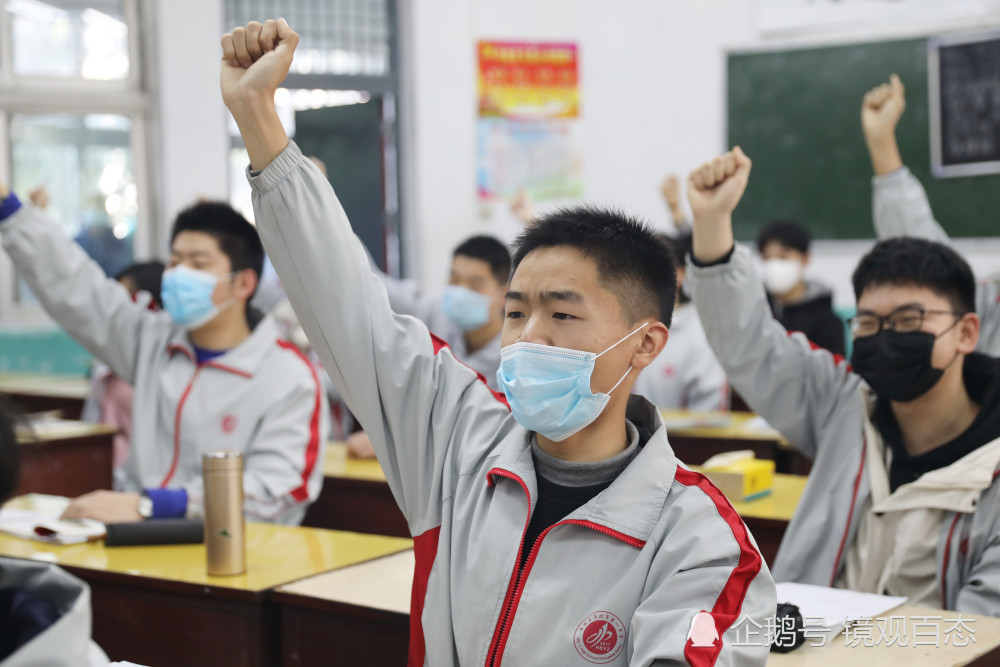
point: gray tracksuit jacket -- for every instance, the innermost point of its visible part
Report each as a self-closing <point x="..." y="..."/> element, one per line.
<point x="67" y="642"/>
<point x="262" y="397"/>
<point x="405" y="299"/>
<point x="900" y="208"/>
<point x="815" y="401"/>
<point x="617" y="582"/>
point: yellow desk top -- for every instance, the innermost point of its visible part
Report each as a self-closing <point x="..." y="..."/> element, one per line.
<point x="384" y="584"/>
<point x="338" y="464"/>
<point x="275" y="555"/>
<point x="921" y="624"/>
<point x="63" y="429"/>
<point x="728" y="425"/>
<point x="779" y="505"/>
<point x="36" y="384"/>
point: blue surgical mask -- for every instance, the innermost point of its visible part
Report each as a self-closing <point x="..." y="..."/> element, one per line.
<point x="187" y="296"/>
<point x="466" y="309"/>
<point x="548" y="388"/>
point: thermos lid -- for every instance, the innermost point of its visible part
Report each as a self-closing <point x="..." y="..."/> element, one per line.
<point x="222" y="459"/>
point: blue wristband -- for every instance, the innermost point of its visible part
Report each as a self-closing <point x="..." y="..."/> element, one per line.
<point x="168" y="503"/>
<point x="9" y="206"/>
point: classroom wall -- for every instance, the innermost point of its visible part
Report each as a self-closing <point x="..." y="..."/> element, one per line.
<point x="653" y="100"/>
<point x="192" y="142"/>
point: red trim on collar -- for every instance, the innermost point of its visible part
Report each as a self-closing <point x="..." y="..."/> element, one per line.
<point x="174" y="347"/>
<point x="730" y="601"/>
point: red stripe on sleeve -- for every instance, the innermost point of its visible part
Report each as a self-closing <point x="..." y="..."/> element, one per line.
<point x="730" y="601"/>
<point x="301" y="493"/>
<point x="424" y="551"/>
<point x="440" y="345"/>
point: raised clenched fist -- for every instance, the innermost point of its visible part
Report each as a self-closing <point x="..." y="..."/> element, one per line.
<point x="881" y="109"/>
<point x="255" y="60"/>
<point x="715" y="188"/>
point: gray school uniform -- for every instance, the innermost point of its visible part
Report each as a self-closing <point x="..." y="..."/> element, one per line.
<point x="67" y="642"/>
<point x="686" y="374"/>
<point x="815" y="401"/>
<point x="618" y="582"/>
<point x="262" y="397"/>
<point x="405" y="299"/>
<point x="900" y="208"/>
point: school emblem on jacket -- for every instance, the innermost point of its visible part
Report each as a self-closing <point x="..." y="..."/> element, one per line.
<point x="229" y="424"/>
<point x="600" y="638"/>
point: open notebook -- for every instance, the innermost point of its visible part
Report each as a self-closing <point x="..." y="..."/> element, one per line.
<point x="36" y="517"/>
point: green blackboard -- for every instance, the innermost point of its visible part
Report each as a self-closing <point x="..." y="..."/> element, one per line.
<point x="797" y="114"/>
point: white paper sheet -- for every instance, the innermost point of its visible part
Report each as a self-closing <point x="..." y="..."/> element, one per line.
<point x="835" y="605"/>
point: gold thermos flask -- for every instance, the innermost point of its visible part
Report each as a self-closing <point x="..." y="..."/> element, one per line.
<point x="225" y="538"/>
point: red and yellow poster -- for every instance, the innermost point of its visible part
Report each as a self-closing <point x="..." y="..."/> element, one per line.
<point x="526" y="81"/>
<point x="529" y="106"/>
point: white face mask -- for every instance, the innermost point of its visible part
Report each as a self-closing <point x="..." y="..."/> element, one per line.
<point x="782" y="275"/>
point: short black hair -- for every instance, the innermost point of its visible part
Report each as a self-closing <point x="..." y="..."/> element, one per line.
<point x="489" y="250"/>
<point x="632" y="262"/>
<point x="681" y="244"/>
<point x="786" y="232"/>
<point x="10" y="453"/>
<point x="237" y="238"/>
<point x="148" y="277"/>
<point x="920" y="263"/>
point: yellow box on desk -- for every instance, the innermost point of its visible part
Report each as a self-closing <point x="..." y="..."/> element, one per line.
<point x="739" y="475"/>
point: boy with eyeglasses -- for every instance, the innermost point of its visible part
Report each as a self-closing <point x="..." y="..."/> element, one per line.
<point x="905" y="441"/>
<point x="899" y="203"/>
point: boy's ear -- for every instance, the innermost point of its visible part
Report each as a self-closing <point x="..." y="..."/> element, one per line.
<point x="245" y="284"/>
<point x="969" y="328"/>
<point x="654" y="338"/>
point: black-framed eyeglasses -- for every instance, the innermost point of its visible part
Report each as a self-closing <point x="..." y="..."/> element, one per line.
<point x="904" y="320"/>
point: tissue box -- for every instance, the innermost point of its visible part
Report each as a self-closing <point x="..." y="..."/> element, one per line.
<point x="743" y="478"/>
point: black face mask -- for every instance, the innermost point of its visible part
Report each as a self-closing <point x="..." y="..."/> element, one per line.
<point x="897" y="365"/>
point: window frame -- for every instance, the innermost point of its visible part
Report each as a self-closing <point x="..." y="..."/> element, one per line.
<point x="130" y="97"/>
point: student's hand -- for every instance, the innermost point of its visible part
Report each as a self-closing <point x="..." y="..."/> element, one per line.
<point x="523" y="207"/>
<point x="39" y="197"/>
<point x="714" y="190"/>
<point x="255" y="60"/>
<point x="881" y="110"/>
<point x="671" y="189"/>
<point x="4" y="191"/>
<point x="105" y="506"/>
<point x="359" y="446"/>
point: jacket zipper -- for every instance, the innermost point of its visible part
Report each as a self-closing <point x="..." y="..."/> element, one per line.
<point x="515" y="577"/>
<point x="177" y="429"/>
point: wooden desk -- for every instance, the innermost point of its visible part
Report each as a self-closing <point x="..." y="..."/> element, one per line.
<point x="355" y="496"/>
<point x="985" y="652"/>
<point x="356" y="616"/>
<point x="156" y="606"/>
<point x="694" y="444"/>
<point x="768" y="517"/>
<point x="66" y="458"/>
<point x="40" y="393"/>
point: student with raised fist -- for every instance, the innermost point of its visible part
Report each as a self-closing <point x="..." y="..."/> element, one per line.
<point x="899" y="203"/>
<point x="905" y="441"/>
<point x="552" y="525"/>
